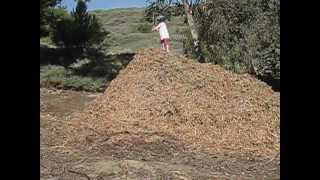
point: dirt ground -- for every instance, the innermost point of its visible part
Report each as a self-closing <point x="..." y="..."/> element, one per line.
<point x="125" y="156"/>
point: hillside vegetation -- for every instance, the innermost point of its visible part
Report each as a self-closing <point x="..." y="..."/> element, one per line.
<point x="128" y="32"/>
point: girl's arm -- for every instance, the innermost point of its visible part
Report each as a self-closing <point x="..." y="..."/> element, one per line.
<point x="156" y="28"/>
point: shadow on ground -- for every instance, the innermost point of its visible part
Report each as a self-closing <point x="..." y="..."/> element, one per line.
<point x="89" y="70"/>
<point x="92" y="62"/>
<point x="101" y="65"/>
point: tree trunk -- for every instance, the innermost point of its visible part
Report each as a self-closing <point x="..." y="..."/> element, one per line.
<point x="250" y="66"/>
<point x="194" y="32"/>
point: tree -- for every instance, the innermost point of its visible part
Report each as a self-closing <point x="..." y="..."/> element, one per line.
<point x="79" y="30"/>
<point x="193" y="29"/>
<point x="164" y="7"/>
<point x="243" y="36"/>
<point x="45" y="7"/>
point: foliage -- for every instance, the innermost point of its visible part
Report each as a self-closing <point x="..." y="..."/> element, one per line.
<point x="59" y="77"/>
<point x="166" y="8"/>
<point x="45" y="7"/>
<point x="90" y="73"/>
<point x="57" y="14"/>
<point x="241" y="35"/>
<point x="80" y="29"/>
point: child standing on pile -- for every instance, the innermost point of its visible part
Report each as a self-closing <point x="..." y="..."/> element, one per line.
<point x="163" y="31"/>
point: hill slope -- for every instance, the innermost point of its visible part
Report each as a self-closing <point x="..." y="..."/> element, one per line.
<point x="202" y="107"/>
<point x="123" y="24"/>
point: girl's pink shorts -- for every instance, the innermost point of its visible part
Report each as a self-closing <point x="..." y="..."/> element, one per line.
<point x="165" y="41"/>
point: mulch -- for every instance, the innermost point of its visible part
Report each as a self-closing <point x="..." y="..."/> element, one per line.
<point x="203" y="106"/>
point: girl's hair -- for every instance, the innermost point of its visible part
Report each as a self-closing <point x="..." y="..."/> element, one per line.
<point x="161" y="19"/>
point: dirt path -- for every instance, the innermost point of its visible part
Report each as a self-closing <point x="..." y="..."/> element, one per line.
<point x="122" y="156"/>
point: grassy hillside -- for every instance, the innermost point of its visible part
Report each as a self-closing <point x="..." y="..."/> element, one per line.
<point x="128" y="32"/>
<point x="125" y="35"/>
<point x="123" y="25"/>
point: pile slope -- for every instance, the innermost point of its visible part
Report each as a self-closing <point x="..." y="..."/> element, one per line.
<point x="202" y="106"/>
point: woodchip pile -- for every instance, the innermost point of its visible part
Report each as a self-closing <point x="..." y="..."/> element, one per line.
<point x="203" y="106"/>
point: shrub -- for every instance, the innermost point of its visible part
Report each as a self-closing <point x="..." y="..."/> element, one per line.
<point x="52" y="75"/>
<point x="60" y="77"/>
<point x="45" y="16"/>
<point x="80" y="29"/>
<point x="243" y="36"/>
<point x="76" y="32"/>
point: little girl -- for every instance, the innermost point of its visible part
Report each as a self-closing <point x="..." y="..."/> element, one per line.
<point x="164" y="34"/>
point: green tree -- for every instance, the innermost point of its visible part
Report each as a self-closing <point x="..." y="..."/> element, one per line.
<point x="80" y="30"/>
<point x="45" y="18"/>
<point x="165" y="7"/>
<point x="243" y="36"/>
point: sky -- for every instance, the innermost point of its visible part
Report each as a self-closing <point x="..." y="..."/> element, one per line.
<point x="106" y="4"/>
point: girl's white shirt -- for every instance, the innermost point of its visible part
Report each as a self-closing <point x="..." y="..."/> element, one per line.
<point x="164" y="34"/>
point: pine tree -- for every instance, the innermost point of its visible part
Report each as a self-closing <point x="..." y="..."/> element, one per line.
<point x="81" y="31"/>
<point x="45" y="6"/>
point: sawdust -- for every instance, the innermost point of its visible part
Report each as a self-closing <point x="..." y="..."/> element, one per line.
<point x="203" y="106"/>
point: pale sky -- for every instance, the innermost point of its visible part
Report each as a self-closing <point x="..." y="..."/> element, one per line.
<point x="106" y="4"/>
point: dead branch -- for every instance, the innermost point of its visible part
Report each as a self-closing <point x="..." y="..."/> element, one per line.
<point x="79" y="173"/>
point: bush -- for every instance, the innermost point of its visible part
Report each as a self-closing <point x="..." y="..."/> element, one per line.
<point x="53" y="71"/>
<point x="52" y="76"/>
<point x="83" y="83"/>
<point x="74" y="33"/>
<point x="45" y="16"/>
<point x="62" y="34"/>
<point x="96" y="69"/>
<point x="60" y="77"/>
<point x="168" y="9"/>
<point x="243" y="36"/>
<point x="80" y="29"/>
